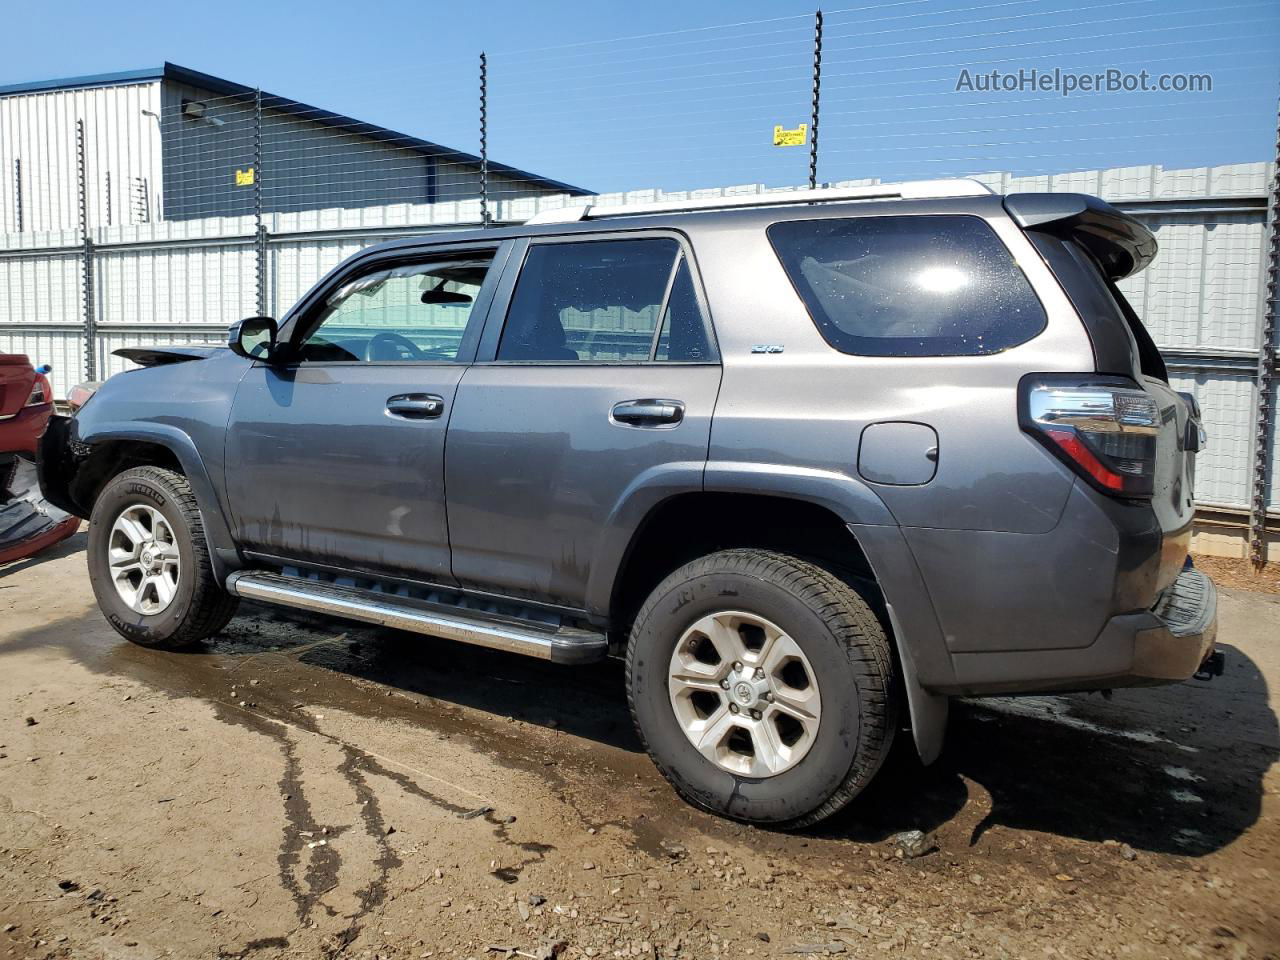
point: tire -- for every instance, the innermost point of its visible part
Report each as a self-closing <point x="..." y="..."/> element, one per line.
<point x="847" y="653"/>
<point x="197" y="607"/>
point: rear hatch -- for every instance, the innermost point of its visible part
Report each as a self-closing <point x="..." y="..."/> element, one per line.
<point x="16" y="380"/>
<point x="1150" y="453"/>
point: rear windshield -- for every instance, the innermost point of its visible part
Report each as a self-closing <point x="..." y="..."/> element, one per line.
<point x="918" y="286"/>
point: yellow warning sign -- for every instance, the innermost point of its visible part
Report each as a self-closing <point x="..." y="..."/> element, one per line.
<point x="790" y="138"/>
<point x="244" y="178"/>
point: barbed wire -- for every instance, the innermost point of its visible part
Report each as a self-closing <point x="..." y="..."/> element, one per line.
<point x="650" y="107"/>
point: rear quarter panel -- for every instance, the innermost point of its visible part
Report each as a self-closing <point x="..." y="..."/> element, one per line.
<point x="995" y="492"/>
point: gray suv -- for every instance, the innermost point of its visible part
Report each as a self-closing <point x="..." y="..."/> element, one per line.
<point x="812" y="462"/>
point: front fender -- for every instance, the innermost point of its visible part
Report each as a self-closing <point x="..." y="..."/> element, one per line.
<point x="217" y="531"/>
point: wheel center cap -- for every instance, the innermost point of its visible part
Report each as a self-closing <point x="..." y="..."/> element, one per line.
<point x="747" y="690"/>
<point x="148" y="559"/>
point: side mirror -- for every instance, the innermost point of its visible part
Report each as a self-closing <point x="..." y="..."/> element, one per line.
<point x="253" y="338"/>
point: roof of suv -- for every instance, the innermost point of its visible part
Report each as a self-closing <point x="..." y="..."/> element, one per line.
<point x="967" y="196"/>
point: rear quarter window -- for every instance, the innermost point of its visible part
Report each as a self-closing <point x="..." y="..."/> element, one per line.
<point x="909" y="286"/>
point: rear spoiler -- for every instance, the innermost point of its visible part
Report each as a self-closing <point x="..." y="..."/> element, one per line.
<point x="1121" y="244"/>
<point x="160" y="355"/>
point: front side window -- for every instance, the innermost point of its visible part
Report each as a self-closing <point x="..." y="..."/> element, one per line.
<point x="411" y="313"/>
<point x="909" y="286"/>
<point x="604" y="301"/>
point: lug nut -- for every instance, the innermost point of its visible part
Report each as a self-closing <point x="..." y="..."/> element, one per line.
<point x="724" y="684"/>
<point x="759" y="674"/>
<point x="737" y="666"/>
<point x="768" y="697"/>
<point x="755" y="714"/>
<point x="733" y="708"/>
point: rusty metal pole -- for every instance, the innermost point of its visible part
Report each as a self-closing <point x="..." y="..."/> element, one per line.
<point x="817" y="99"/>
<point x="17" y="195"/>
<point x="86" y="267"/>
<point x="1264" y="425"/>
<point x="484" y="140"/>
<point x="259" y="231"/>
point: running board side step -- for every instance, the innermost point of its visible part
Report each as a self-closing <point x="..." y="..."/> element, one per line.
<point x="559" y="644"/>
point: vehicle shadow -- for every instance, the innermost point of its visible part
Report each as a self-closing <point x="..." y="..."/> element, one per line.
<point x="585" y="701"/>
<point x="1175" y="769"/>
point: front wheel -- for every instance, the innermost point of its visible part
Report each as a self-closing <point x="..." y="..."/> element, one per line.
<point x="149" y="562"/>
<point x="762" y="687"/>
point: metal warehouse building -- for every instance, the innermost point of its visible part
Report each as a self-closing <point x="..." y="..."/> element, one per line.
<point x="171" y="143"/>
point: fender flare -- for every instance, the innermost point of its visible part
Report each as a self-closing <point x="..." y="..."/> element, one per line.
<point x="922" y="648"/>
<point x="222" y="550"/>
<point x="637" y="502"/>
<point x="847" y="498"/>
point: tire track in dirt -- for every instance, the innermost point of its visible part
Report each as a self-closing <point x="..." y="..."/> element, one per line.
<point x="324" y="863"/>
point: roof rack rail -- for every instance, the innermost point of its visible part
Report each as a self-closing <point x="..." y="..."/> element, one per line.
<point x="908" y="190"/>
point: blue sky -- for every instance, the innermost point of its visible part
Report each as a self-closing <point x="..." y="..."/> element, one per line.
<point x="676" y="95"/>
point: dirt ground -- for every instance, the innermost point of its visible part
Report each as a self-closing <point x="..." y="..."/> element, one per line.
<point x="1241" y="574"/>
<point x="307" y="789"/>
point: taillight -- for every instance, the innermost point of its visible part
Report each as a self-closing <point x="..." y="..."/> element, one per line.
<point x="40" y="392"/>
<point x="1104" y="428"/>
<point x="80" y="394"/>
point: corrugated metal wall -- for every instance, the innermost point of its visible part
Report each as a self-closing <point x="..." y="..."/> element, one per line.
<point x="38" y="131"/>
<point x="145" y="160"/>
<point x="186" y="281"/>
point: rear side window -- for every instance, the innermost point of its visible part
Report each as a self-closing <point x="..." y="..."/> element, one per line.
<point x="919" y="286"/>
<point x="604" y="301"/>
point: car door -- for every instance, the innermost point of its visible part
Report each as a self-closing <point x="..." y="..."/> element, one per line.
<point x="335" y="454"/>
<point x="596" y="377"/>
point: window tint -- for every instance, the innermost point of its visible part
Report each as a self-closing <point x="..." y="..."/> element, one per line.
<point x="684" y="335"/>
<point x="909" y="286"/>
<point x="407" y="314"/>
<point x="594" y="302"/>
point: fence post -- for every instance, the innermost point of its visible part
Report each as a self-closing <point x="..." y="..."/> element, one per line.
<point x="484" y="140"/>
<point x="86" y="269"/>
<point x="259" y="231"/>
<point x="817" y="98"/>
<point x="17" y="194"/>
<point x="1264" y="427"/>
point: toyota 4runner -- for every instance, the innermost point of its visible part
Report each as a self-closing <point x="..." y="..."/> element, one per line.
<point x="811" y="462"/>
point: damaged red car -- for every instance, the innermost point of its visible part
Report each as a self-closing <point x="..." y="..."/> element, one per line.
<point x="28" y="524"/>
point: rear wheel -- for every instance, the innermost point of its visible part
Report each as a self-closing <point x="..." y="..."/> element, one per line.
<point x="149" y="561"/>
<point x="762" y="687"/>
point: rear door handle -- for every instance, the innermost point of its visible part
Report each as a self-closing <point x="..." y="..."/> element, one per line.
<point x="647" y="413"/>
<point x="415" y="406"/>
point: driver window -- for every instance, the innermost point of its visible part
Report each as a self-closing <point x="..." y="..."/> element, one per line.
<point x="413" y="313"/>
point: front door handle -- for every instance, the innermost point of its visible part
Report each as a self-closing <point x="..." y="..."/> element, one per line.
<point x="415" y="406"/>
<point x="647" y="413"/>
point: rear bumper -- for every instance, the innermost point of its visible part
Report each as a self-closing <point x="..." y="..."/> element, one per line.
<point x="20" y="432"/>
<point x="1186" y="627"/>
<point x="1165" y="644"/>
<point x="28" y="524"/>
